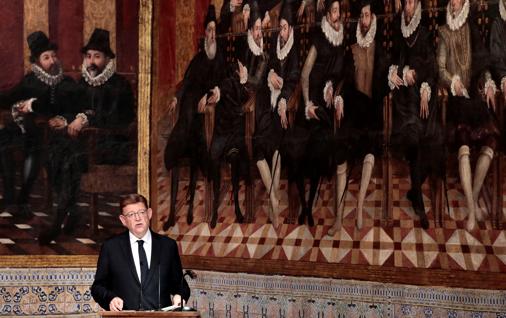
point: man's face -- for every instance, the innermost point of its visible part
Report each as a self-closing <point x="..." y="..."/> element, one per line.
<point x="135" y="217"/>
<point x="365" y="19"/>
<point x="211" y="32"/>
<point x="49" y="62"/>
<point x="95" y="62"/>
<point x="456" y="6"/>
<point x="284" y="33"/>
<point x="334" y="14"/>
<point x="409" y="9"/>
<point x="256" y="32"/>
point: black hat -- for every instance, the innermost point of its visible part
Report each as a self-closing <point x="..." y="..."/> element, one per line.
<point x="356" y="8"/>
<point x="99" y="41"/>
<point x="38" y="42"/>
<point x="286" y="13"/>
<point x="254" y="14"/>
<point x="211" y="15"/>
<point x="328" y="4"/>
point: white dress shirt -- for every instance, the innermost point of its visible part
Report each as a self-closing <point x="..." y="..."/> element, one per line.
<point x="135" y="250"/>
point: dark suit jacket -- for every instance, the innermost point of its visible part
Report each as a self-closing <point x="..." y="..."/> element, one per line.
<point x="116" y="275"/>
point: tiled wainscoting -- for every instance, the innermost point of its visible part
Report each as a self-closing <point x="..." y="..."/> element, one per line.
<point x="65" y="292"/>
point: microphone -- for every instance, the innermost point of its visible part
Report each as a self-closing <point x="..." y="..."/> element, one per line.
<point x="159" y="305"/>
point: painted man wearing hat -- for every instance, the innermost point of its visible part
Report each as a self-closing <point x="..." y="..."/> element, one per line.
<point x="107" y="103"/>
<point x="416" y="133"/>
<point x="187" y="139"/>
<point x="322" y="79"/>
<point x="109" y="98"/>
<point x="43" y="94"/>
<point x="366" y="98"/>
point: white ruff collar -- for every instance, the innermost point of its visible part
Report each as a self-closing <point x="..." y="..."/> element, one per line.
<point x="333" y="36"/>
<point x="457" y="22"/>
<point x="45" y="77"/>
<point x="283" y="52"/>
<point x="502" y="10"/>
<point x="101" y="78"/>
<point x="254" y="48"/>
<point x="407" y="30"/>
<point x="365" y="41"/>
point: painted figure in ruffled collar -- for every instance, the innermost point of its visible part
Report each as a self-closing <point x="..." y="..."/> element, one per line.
<point x="44" y="94"/>
<point x="109" y="95"/>
<point x="315" y="152"/>
<point x="416" y="131"/>
<point x="498" y="47"/>
<point x="271" y="122"/>
<point x="199" y="89"/>
<point x="365" y="93"/>
<point x="464" y="71"/>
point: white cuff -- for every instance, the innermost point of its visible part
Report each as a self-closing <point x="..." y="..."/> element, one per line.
<point x="404" y="74"/>
<point x="328" y="86"/>
<point x="267" y="16"/>
<point x="425" y="87"/>
<point x="306" y="110"/>
<point x="490" y="84"/>
<point x="244" y="79"/>
<point x="338" y="101"/>
<point x="503" y="80"/>
<point x="245" y="8"/>
<point x="455" y="79"/>
<point x="232" y="8"/>
<point x="274" y="92"/>
<point x="217" y="92"/>
<point x="391" y="71"/>
<point x="281" y="106"/>
<point x="29" y="103"/>
<point x="83" y="117"/>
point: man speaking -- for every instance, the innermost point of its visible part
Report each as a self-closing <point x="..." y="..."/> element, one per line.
<point x="138" y="269"/>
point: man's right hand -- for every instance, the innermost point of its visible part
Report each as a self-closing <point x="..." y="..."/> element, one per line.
<point x="311" y="111"/>
<point x="56" y="123"/>
<point x="459" y="88"/>
<point x="202" y="104"/>
<point x="398" y="82"/>
<point x="116" y="304"/>
<point x="172" y="105"/>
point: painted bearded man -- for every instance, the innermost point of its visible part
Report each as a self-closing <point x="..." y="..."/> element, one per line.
<point x="322" y="79"/>
<point x="366" y="96"/>
<point x="43" y="94"/>
<point x="271" y="121"/>
<point x="463" y="69"/>
<point x="416" y="131"/>
<point x="187" y="139"/>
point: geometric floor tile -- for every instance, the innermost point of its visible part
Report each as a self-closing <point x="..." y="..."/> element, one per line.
<point x="227" y="240"/>
<point x="262" y="241"/>
<point x="335" y="248"/>
<point x="376" y="246"/>
<point x="85" y="241"/>
<point x="23" y="226"/>
<point x="200" y="231"/>
<point x="297" y="243"/>
<point x="465" y="250"/>
<point x="499" y="247"/>
<point x="420" y="248"/>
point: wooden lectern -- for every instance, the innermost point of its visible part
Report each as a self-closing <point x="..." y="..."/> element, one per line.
<point x="149" y="314"/>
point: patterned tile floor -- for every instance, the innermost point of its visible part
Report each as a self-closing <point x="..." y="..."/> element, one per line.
<point x="404" y="244"/>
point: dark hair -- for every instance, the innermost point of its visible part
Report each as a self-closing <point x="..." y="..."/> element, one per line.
<point x="132" y="199"/>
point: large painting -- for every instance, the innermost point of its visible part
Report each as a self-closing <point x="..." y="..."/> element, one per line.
<point x="338" y="226"/>
<point x="61" y="183"/>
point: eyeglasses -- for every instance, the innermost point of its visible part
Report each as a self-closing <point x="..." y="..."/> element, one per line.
<point x="139" y="213"/>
